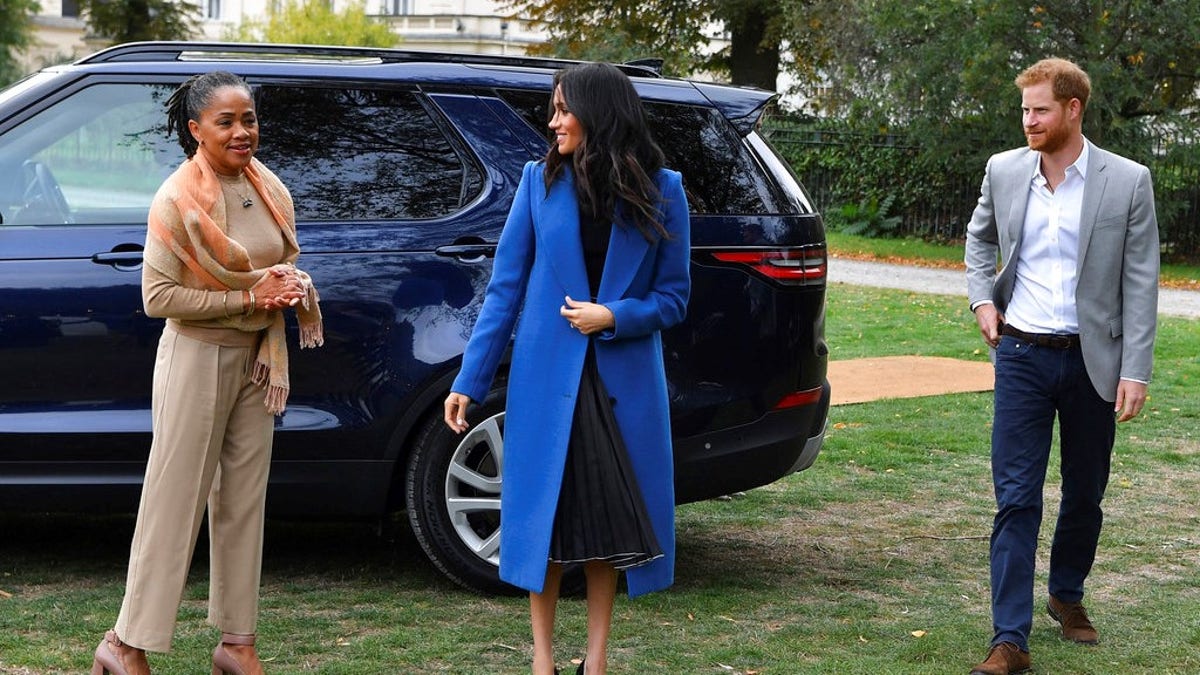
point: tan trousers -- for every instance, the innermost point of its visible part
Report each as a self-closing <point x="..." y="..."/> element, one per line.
<point x="212" y="442"/>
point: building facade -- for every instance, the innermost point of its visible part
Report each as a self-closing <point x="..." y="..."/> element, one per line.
<point x="474" y="26"/>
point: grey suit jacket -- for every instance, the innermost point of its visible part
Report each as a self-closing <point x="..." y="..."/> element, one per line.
<point x="1117" y="292"/>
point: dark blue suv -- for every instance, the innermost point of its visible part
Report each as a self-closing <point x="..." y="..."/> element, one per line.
<point x="402" y="166"/>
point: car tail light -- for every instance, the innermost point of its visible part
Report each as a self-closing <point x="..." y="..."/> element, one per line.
<point x="799" y="398"/>
<point x="793" y="266"/>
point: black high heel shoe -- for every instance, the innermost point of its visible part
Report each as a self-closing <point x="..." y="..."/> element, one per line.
<point x="579" y="671"/>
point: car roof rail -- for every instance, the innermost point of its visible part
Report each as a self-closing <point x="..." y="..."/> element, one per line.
<point x="224" y="51"/>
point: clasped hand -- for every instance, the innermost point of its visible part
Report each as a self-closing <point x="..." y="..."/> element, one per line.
<point x="587" y="317"/>
<point x="280" y="287"/>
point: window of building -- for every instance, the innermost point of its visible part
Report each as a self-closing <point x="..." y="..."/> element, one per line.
<point x="396" y="7"/>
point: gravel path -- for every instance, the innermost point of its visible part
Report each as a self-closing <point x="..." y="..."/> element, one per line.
<point x="1171" y="302"/>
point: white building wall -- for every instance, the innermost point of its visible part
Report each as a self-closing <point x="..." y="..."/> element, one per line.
<point x="473" y="26"/>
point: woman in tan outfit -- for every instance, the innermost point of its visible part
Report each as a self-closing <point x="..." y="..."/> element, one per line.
<point x="219" y="265"/>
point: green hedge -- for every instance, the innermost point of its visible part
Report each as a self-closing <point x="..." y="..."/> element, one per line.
<point x="888" y="185"/>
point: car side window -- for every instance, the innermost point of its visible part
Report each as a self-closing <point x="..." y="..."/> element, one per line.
<point x="363" y="154"/>
<point x="95" y="157"/>
<point x="719" y="171"/>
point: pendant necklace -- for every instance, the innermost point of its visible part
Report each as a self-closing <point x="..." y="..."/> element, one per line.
<point x="246" y="201"/>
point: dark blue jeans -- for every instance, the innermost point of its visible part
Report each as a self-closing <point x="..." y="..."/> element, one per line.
<point x="1033" y="385"/>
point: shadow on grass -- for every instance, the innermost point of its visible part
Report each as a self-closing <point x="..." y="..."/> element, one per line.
<point x="53" y="548"/>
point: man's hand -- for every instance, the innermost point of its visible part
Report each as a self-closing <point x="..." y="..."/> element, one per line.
<point x="989" y="323"/>
<point x="1131" y="396"/>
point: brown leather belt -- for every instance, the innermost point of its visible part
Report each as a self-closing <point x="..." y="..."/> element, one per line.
<point x="1052" y="340"/>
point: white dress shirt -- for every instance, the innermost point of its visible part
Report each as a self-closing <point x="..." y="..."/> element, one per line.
<point x="1043" y="299"/>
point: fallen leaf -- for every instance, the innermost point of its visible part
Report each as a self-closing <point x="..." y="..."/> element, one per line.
<point x="918" y="633"/>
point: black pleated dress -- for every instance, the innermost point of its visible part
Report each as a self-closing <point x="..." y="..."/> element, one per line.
<point x="601" y="514"/>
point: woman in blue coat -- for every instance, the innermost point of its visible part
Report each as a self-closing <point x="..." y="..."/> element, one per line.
<point x="594" y="259"/>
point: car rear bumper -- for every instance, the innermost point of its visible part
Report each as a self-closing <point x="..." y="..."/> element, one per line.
<point x="751" y="455"/>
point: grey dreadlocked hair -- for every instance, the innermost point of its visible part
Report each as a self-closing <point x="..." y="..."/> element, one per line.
<point x="194" y="95"/>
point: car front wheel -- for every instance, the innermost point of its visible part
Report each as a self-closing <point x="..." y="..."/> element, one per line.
<point x="452" y="491"/>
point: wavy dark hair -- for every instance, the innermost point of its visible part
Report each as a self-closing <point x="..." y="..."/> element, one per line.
<point x="615" y="163"/>
<point x="194" y="95"/>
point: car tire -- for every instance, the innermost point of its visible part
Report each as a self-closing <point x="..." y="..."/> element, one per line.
<point x="446" y="473"/>
<point x="452" y="491"/>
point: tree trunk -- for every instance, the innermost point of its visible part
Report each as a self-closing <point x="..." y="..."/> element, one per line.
<point x="752" y="60"/>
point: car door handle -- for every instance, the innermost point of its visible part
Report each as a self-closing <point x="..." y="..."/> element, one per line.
<point x="467" y="251"/>
<point x="119" y="259"/>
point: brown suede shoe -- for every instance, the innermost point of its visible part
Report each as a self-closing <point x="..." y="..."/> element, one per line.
<point x="1003" y="659"/>
<point x="1074" y="620"/>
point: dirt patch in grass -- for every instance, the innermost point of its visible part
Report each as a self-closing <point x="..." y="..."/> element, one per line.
<point x="862" y="380"/>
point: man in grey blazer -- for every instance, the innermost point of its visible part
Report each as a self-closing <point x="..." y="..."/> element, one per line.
<point x="1071" y="316"/>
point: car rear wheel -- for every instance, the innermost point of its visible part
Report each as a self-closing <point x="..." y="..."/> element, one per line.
<point x="452" y="491"/>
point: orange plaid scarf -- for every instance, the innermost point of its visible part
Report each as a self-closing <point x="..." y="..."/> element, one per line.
<point x="189" y="245"/>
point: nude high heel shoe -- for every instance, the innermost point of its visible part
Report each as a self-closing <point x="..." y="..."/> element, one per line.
<point x="114" y="657"/>
<point x="225" y="663"/>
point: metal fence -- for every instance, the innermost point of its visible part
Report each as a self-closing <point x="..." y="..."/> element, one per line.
<point x="942" y="212"/>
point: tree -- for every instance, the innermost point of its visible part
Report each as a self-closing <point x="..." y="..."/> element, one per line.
<point x="925" y="90"/>
<point x="764" y="35"/>
<point x="756" y="29"/>
<point x="16" y="34"/>
<point x="944" y="69"/>
<point x="135" y="20"/>
<point x="313" y="22"/>
<point x="621" y="30"/>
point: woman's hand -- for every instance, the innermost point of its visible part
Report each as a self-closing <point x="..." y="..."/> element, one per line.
<point x="587" y="317"/>
<point x="456" y="412"/>
<point x="280" y="287"/>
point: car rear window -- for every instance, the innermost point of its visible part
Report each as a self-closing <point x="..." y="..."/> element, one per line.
<point x="363" y="154"/>
<point x="720" y="173"/>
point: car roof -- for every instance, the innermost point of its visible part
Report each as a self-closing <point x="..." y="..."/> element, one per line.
<point x="741" y="105"/>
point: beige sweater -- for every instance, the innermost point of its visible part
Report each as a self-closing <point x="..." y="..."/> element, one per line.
<point x="255" y="230"/>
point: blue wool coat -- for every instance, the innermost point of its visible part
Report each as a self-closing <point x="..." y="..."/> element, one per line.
<point x="539" y="261"/>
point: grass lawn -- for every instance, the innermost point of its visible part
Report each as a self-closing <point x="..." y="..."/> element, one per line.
<point x="873" y="561"/>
